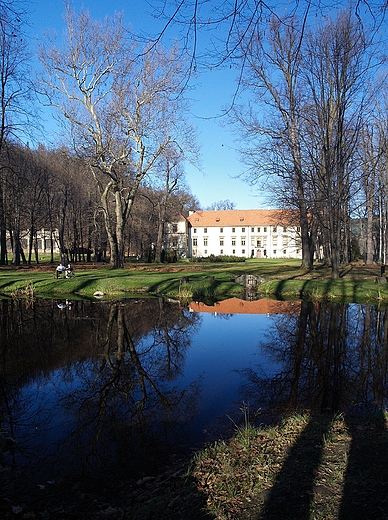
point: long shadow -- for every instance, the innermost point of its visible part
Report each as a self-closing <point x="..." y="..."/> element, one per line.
<point x="365" y="494"/>
<point x="292" y="493"/>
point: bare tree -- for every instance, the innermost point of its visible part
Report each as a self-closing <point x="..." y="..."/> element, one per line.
<point x="124" y="109"/>
<point x="171" y="177"/>
<point x="336" y="69"/>
<point x="222" y="204"/>
<point x="272" y="129"/>
<point x="15" y="93"/>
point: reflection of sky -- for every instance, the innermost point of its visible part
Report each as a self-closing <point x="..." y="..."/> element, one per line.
<point x="219" y="348"/>
<point x="194" y="384"/>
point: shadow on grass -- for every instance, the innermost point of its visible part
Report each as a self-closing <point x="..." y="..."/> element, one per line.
<point x="292" y="493"/>
<point x="364" y="493"/>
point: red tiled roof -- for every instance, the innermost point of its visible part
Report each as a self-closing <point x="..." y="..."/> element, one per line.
<point x="248" y="217"/>
<point x="237" y="306"/>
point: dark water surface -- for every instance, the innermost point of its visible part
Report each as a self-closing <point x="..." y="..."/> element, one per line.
<point x="121" y="388"/>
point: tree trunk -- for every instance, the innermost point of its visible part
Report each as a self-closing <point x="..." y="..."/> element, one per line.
<point x="369" y="231"/>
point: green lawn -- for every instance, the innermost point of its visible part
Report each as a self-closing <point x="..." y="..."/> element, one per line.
<point x="186" y="280"/>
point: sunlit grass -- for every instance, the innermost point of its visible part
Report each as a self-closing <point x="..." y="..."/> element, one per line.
<point x="273" y="477"/>
<point x="282" y="279"/>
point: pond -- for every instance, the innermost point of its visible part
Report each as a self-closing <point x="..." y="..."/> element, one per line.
<point x="90" y="387"/>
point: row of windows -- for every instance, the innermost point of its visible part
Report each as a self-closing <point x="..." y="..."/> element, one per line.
<point x="254" y="242"/>
<point x="243" y="252"/>
<point x="243" y="229"/>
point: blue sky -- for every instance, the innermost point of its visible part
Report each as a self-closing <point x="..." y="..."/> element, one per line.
<point x="213" y="90"/>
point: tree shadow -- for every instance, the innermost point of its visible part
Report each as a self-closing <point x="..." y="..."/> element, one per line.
<point x="292" y="493"/>
<point x="365" y="483"/>
<point x="365" y="493"/>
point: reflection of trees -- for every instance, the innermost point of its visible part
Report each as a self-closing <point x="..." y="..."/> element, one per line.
<point x="128" y="392"/>
<point x="112" y="378"/>
<point x="331" y="357"/>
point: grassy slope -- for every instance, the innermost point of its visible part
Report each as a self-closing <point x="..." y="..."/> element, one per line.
<point x="185" y="280"/>
<point x="307" y="467"/>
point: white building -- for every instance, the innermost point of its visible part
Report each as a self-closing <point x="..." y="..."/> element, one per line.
<point x="244" y="233"/>
<point x="176" y="237"/>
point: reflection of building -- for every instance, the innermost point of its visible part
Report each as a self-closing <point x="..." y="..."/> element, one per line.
<point x="244" y="233"/>
<point x="237" y="306"/>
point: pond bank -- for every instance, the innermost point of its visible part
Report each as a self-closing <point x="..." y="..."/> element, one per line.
<point x="322" y="467"/>
<point x="185" y="281"/>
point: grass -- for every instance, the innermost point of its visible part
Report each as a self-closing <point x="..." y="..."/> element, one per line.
<point x="185" y="280"/>
<point x="316" y="467"/>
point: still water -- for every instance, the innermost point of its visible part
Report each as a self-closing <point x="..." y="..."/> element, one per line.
<point x="90" y="387"/>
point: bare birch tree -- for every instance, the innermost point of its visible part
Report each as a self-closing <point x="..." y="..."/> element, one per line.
<point x="124" y="107"/>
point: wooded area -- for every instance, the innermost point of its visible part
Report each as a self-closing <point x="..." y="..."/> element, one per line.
<point x="111" y="187"/>
<point x="309" y="109"/>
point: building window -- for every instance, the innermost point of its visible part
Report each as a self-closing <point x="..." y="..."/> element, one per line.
<point x="221" y="241"/>
<point x="284" y="229"/>
<point x="221" y="229"/>
<point x="243" y="230"/>
<point x="265" y="230"/>
<point x="195" y="230"/>
<point x="221" y="251"/>
<point x="205" y="230"/>
<point x="274" y="251"/>
<point x="243" y="241"/>
<point x="233" y="241"/>
<point x="233" y="251"/>
<point x="195" y="241"/>
<point x="274" y="229"/>
<point x="233" y="230"/>
<point x="205" y="241"/>
<point x="175" y="243"/>
<point x="258" y="243"/>
<point x="175" y="228"/>
<point x="252" y="229"/>
<point x="243" y="251"/>
<point x="284" y="251"/>
<point x="258" y="230"/>
<point x="205" y="252"/>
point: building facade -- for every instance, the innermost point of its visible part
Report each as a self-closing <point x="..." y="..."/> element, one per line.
<point x="176" y="237"/>
<point x="244" y="233"/>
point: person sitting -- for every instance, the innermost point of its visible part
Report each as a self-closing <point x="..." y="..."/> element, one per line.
<point x="69" y="271"/>
<point x="60" y="269"/>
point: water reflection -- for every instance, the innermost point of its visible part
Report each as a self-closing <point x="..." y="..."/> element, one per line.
<point x="332" y="357"/>
<point x="92" y="386"/>
<point x="120" y="387"/>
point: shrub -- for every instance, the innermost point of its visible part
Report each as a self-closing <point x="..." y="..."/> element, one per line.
<point x="219" y="258"/>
